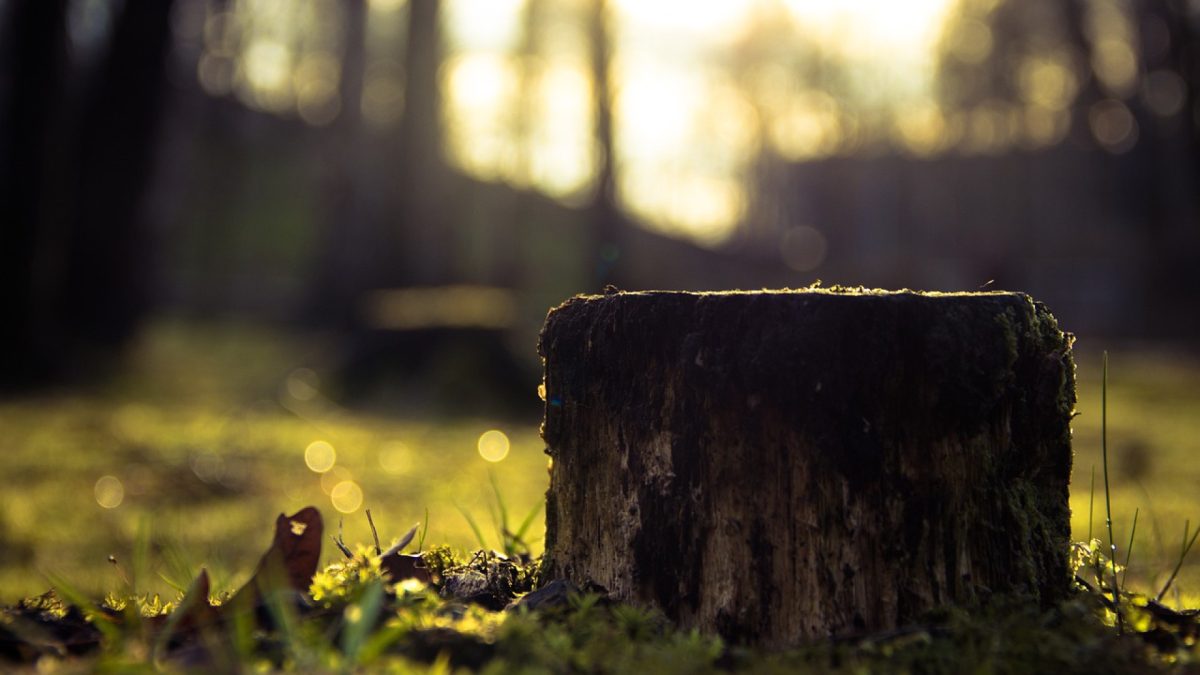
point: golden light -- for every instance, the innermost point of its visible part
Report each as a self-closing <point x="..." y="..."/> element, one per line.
<point x="462" y="305"/>
<point x="320" y="456"/>
<point x="703" y="207"/>
<point x="562" y="148"/>
<point x="109" y="492"/>
<point x="990" y="127"/>
<point x="923" y="129"/>
<point x="971" y="41"/>
<point x="1047" y="81"/>
<point x="686" y="134"/>
<point x="395" y="457"/>
<point x="809" y="127"/>
<point x="346" y="496"/>
<point x="1113" y="126"/>
<point x="131" y="422"/>
<point x="331" y="478"/>
<point x="315" y="81"/>
<point x="653" y="109"/>
<point x="1116" y="66"/>
<point x="1044" y="126"/>
<point x="386" y="5"/>
<point x="266" y="66"/>
<point x="480" y="89"/>
<point x="493" y="24"/>
<point x="873" y="26"/>
<point x="712" y="20"/>
<point x="493" y="445"/>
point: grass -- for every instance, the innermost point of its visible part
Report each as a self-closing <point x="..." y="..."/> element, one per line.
<point x="1153" y="446"/>
<point x="205" y="433"/>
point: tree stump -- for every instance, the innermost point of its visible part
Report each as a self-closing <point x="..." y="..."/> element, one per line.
<point x="779" y="466"/>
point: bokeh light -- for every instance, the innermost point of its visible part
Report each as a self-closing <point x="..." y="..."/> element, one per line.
<point x="346" y="496"/>
<point x="493" y="445"/>
<point x="803" y="248"/>
<point x="110" y="492"/>
<point x="208" y="466"/>
<point x="395" y="457"/>
<point x="320" y="456"/>
<point x="1113" y="126"/>
<point x="331" y="478"/>
<point x="303" y="384"/>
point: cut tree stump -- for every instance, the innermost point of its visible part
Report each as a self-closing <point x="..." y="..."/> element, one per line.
<point x="779" y="466"/>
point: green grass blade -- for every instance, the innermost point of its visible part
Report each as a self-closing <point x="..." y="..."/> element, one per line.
<point x="361" y="618"/>
<point x="380" y="642"/>
<point x="424" y="530"/>
<point x="1183" y="553"/>
<point x="474" y="526"/>
<point x="141" y="556"/>
<point x="1112" y="544"/>
<point x="110" y="631"/>
<point x="527" y="522"/>
<point x="1129" y="549"/>
<point x="1091" y="505"/>
<point x="499" y="499"/>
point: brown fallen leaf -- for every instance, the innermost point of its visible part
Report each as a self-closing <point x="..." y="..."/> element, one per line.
<point x="291" y="561"/>
<point x="194" y="612"/>
<point x="400" y="566"/>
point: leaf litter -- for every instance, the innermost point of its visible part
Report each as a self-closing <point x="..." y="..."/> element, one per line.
<point x="483" y="612"/>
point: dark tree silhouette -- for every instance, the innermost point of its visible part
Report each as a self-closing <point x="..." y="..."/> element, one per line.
<point x="33" y="65"/>
<point x="72" y="178"/>
<point x="605" y="222"/>
<point x="108" y="284"/>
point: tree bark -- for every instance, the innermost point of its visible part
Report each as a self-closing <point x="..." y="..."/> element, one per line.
<point x="779" y="466"/>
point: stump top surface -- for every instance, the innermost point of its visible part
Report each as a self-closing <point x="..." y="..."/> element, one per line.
<point x="838" y="291"/>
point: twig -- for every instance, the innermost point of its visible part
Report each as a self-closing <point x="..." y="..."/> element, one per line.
<point x="374" y="533"/>
<point x="340" y="541"/>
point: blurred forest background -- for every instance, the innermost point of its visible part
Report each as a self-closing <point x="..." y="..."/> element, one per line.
<point x="349" y="217"/>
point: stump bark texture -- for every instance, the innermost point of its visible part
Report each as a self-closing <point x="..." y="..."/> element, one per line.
<point x="779" y="466"/>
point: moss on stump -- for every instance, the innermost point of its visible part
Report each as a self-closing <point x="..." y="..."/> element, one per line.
<point x="779" y="466"/>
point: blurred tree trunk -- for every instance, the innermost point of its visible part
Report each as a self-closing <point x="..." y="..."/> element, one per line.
<point x="606" y="236"/>
<point x="1173" y="168"/>
<point x="386" y="225"/>
<point x="350" y="244"/>
<point x="107" y="284"/>
<point x="33" y="69"/>
<point x="421" y="186"/>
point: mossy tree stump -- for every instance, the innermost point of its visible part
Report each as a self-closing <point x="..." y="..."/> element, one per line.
<point x="782" y="466"/>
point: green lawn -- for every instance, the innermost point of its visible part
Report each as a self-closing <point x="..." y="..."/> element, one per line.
<point x="1154" y="458"/>
<point x="205" y="435"/>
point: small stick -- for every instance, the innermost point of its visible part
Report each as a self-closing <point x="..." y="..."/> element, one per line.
<point x="339" y="540"/>
<point x="374" y="533"/>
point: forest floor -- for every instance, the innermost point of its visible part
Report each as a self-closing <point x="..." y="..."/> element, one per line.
<point x="181" y="461"/>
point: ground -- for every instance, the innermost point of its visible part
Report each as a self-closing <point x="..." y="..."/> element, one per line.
<point x="206" y="433"/>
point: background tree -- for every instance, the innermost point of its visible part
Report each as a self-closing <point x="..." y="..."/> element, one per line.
<point x="33" y="65"/>
<point x="79" y="145"/>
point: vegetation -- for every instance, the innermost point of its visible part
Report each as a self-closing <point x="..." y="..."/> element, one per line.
<point x="208" y="450"/>
<point x="479" y="613"/>
<point x="206" y="433"/>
